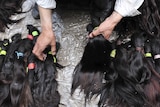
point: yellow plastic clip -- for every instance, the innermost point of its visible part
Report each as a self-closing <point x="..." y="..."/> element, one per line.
<point x="49" y="52"/>
<point x="5" y="44"/>
<point x="35" y="33"/>
<point x="54" y="59"/>
<point x="26" y="69"/>
<point x="3" y="52"/>
<point x="148" y="55"/>
<point x="113" y="53"/>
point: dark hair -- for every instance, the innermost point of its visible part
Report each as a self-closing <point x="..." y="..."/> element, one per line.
<point x="89" y="72"/>
<point x="150" y="18"/>
<point x="44" y="84"/>
<point x="25" y="80"/>
<point x="128" y="75"/>
<point x="132" y="80"/>
<point x="155" y="43"/>
<point x="100" y="10"/>
<point x="7" y="9"/>
<point x="19" y="86"/>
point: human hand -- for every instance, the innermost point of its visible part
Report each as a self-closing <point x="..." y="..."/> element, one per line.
<point x="106" y="27"/>
<point x="45" y="39"/>
<point x="47" y="36"/>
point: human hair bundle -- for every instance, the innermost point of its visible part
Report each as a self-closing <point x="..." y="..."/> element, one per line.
<point x="7" y="9"/>
<point x="25" y="81"/>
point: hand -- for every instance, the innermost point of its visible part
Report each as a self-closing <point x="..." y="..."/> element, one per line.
<point x="106" y="27"/>
<point x="45" y="39"/>
<point x="47" y="36"/>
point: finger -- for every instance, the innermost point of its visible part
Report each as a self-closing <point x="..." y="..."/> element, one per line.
<point x="38" y="53"/>
<point x="53" y="49"/>
<point x="96" y="31"/>
<point x="90" y="35"/>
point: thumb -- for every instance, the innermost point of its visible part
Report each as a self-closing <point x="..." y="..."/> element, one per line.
<point x="95" y="32"/>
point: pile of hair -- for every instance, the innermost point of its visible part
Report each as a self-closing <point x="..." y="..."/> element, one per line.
<point x="7" y="9"/>
<point x="123" y="74"/>
<point x="25" y="81"/>
<point x="88" y="74"/>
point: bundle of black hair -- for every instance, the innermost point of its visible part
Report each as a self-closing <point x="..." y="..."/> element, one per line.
<point x="88" y="74"/>
<point x="7" y="9"/>
<point x="25" y="81"/>
<point x="124" y="75"/>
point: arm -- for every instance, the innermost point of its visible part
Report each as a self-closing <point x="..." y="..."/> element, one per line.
<point x="47" y="36"/>
<point x="122" y="9"/>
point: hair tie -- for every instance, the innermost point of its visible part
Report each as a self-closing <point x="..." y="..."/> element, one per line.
<point x="30" y="37"/>
<point x="3" y="52"/>
<point x="5" y="44"/>
<point x="148" y="54"/>
<point x="35" y="33"/>
<point x="113" y="53"/>
<point x="49" y="52"/>
<point x="157" y="56"/>
<point x="19" y="54"/>
<point x="31" y="65"/>
<point x="54" y="58"/>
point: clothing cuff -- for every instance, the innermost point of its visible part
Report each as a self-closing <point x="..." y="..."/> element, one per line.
<point x="50" y="4"/>
<point x="128" y="7"/>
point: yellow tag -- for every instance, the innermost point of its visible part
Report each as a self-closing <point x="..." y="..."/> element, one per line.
<point x="5" y="44"/>
<point x="49" y="52"/>
<point x="3" y="52"/>
<point x="148" y="55"/>
<point x="34" y="33"/>
<point x="27" y="70"/>
<point x="54" y="59"/>
<point x="113" y="53"/>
